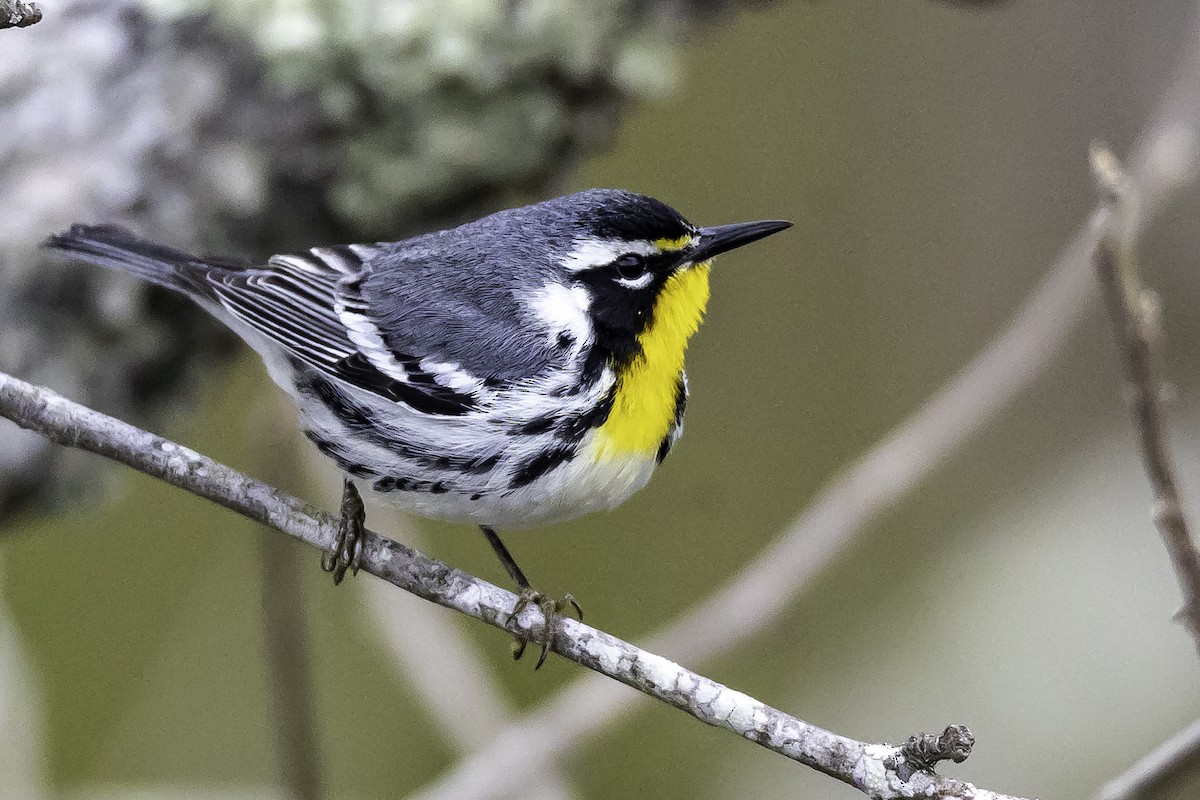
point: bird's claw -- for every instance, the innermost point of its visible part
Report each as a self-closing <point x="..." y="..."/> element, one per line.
<point x="347" y="550"/>
<point x="551" y="610"/>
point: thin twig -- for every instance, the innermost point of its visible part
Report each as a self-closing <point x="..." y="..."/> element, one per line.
<point x="18" y="14"/>
<point x="1135" y="314"/>
<point x="1174" y="758"/>
<point x="1164" y="161"/>
<point x="878" y="770"/>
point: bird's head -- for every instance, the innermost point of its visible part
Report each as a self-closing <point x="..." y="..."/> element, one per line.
<point x="634" y="267"/>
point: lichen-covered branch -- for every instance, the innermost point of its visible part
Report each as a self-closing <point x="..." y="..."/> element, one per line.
<point x="18" y="14"/>
<point x="879" y="770"/>
<point x="1135" y="313"/>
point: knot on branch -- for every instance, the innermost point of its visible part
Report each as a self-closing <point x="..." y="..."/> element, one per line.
<point x="924" y="750"/>
<point x="19" y="14"/>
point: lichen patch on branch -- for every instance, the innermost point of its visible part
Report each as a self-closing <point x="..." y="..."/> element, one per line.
<point x="19" y="14"/>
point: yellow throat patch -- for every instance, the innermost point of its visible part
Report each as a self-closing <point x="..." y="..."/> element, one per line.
<point x="644" y="403"/>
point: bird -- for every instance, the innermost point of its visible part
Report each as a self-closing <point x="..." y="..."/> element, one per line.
<point x="515" y="371"/>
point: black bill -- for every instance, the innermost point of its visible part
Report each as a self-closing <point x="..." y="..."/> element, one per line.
<point x="722" y="238"/>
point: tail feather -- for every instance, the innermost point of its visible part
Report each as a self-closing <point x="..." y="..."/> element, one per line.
<point x="117" y="248"/>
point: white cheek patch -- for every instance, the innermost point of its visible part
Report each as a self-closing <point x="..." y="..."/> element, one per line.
<point x="592" y="253"/>
<point x="561" y="309"/>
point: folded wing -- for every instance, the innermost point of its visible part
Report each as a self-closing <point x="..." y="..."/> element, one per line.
<point x="308" y="304"/>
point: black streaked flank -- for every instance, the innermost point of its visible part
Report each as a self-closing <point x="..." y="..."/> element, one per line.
<point x="393" y="483"/>
<point x="361" y="423"/>
<point x="539" y="465"/>
<point x="331" y="450"/>
<point x="534" y="426"/>
<point x="480" y="465"/>
<point x="323" y="445"/>
<point x="664" y="448"/>
<point x="574" y="428"/>
<point x="568" y="428"/>
<point x="310" y="383"/>
<point x="399" y="483"/>
<point x="358" y="471"/>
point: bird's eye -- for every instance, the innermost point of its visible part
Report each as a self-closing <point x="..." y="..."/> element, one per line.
<point x="632" y="270"/>
<point x="631" y="267"/>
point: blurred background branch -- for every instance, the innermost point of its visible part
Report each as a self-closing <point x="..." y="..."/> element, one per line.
<point x="1154" y="775"/>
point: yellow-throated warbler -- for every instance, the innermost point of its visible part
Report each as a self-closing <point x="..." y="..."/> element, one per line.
<point x="518" y="370"/>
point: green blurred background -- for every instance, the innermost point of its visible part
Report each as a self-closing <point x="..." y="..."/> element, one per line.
<point x="934" y="161"/>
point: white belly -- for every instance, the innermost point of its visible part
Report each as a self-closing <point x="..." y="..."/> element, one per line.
<point x="576" y="487"/>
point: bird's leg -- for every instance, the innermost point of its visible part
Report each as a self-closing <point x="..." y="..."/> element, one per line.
<point x="346" y="552"/>
<point x="551" y="608"/>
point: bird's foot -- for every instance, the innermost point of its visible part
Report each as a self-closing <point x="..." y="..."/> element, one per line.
<point x="346" y="553"/>
<point x="552" y="609"/>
